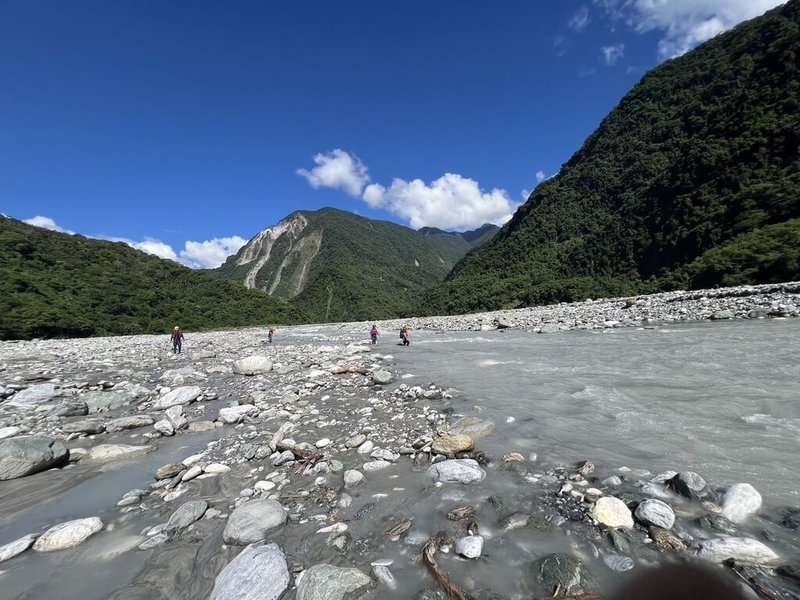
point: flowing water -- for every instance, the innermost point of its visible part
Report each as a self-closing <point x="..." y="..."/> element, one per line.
<point x="720" y="399"/>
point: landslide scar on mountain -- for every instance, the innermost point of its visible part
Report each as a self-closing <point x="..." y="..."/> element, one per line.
<point x="261" y="247"/>
<point x="303" y="253"/>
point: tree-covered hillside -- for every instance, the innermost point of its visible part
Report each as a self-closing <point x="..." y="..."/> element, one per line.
<point x="338" y="266"/>
<point x="692" y="180"/>
<point x="54" y="284"/>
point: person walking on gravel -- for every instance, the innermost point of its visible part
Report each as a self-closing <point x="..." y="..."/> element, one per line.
<point x="404" y="336"/>
<point x="373" y="333"/>
<point x="177" y="340"/>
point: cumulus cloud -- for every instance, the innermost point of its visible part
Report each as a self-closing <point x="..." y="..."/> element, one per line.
<point x="580" y="19"/>
<point x="612" y="54"/>
<point x="540" y="176"/>
<point x="450" y="202"/>
<point x="210" y="253"/>
<point x="685" y="23"/>
<point x="337" y="169"/>
<point x="47" y="223"/>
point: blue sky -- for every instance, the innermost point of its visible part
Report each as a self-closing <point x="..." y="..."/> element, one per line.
<point x="185" y="128"/>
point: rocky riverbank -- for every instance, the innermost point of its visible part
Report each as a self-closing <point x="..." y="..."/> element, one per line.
<point x="285" y="471"/>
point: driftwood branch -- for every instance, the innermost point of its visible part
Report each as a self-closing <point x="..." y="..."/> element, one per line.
<point x="428" y="552"/>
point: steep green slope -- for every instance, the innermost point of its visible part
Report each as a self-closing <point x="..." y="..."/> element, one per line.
<point x="337" y="266"/>
<point x="693" y="162"/>
<point x="54" y="284"/>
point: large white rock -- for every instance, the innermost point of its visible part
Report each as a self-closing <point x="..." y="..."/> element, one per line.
<point x="327" y="582"/>
<point x="612" y="513"/>
<point x="259" y="572"/>
<point x="251" y="521"/>
<point x="164" y="427"/>
<point x="7" y="432"/>
<point x="178" y="396"/>
<point x="252" y="365"/>
<point x="103" y="401"/>
<point x="740" y="501"/>
<point x="234" y="414"/>
<point x="463" y="470"/>
<point x="109" y="452"/>
<point x="19" y="546"/>
<point x="739" y="548"/>
<point x="655" y="512"/>
<point x="176" y="417"/>
<point x="352" y="478"/>
<point x="470" y="546"/>
<point x="34" y="395"/>
<point x="25" y="455"/>
<point x="67" y="535"/>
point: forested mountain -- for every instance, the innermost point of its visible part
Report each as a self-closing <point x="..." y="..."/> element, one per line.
<point x="693" y="180"/>
<point x="54" y="284"/>
<point x="338" y="266"/>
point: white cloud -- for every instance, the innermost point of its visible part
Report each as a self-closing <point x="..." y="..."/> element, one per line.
<point x="685" y="23"/>
<point x="211" y="253"/>
<point x="197" y="255"/>
<point x="337" y="169"/>
<point x="524" y="194"/>
<point x="612" y="54"/>
<point x="580" y="19"/>
<point x="540" y="176"/>
<point x="47" y="223"/>
<point x="450" y="202"/>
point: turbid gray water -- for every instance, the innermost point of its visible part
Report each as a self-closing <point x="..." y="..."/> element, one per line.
<point x="720" y="399"/>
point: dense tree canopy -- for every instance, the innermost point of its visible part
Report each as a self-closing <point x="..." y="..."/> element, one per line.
<point x="54" y="284"/>
<point x="682" y="185"/>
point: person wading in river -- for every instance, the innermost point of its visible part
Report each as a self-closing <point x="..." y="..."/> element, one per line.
<point x="404" y="336"/>
<point x="177" y="340"/>
<point x="270" y="334"/>
<point x="373" y="333"/>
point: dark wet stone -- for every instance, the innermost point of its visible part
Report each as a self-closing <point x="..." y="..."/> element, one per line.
<point x="497" y="502"/>
<point x="620" y="541"/>
<point x="791" y="518"/>
<point x="72" y="408"/>
<point x="717" y="523"/>
<point x="564" y="572"/>
<point x="690" y="485"/>
<point x="364" y="511"/>
<point x="790" y="571"/>
<point x="421" y="459"/>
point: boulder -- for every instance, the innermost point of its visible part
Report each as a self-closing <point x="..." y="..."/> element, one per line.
<point x="132" y="422"/>
<point x="655" y="512"/>
<point x="690" y="485"/>
<point x="259" y="572"/>
<point x="456" y="471"/>
<point x="234" y="414"/>
<point x="356" y="441"/>
<point x="738" y="548"/>
<point x="178" y="397"/>
<point x="170" y="470"/>
<point x="103" y="401"/>
<point x="71" y="408"/>
<point x="250" y="522"/>
<point x="722" y="315"/>
<point x="470" y="546"/>
<point x="67" y="535"/>
<point x="252" y="365"/>
<point x="174" y="415"/>
<point x="19" y="546"/>
<point x="7" y="432"/>
<point x="327" y="582"/>
<point x="186" y="514"/>
<point x="25" y="455"/>
<point x="109" y="452"/>
<point x="35" y="395"/>
<point x="382" y="377"/>
<point x="164" y="427"/>
<point x="740" y="501"/>
<point x="612" y="513"/>
<point x="473" y="427"/>
<point x="452" y="444"/>
<point x="352" y="478"/>
<point x="89" y="426"/>
<point x="563" y="571"/>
